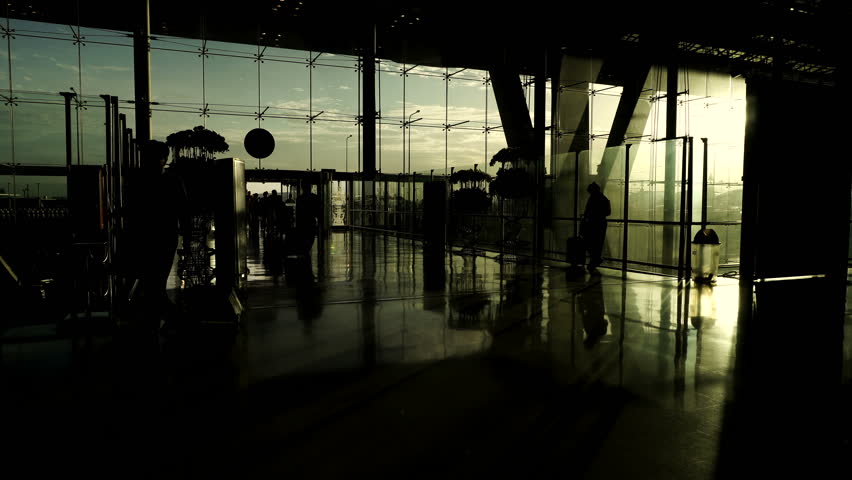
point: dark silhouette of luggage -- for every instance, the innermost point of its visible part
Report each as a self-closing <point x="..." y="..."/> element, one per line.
<point x="576" y="251"/>
<point x="293" y="245"/>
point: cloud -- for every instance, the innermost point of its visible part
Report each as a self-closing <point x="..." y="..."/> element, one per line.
<point x="429" y="70"/>
<point x="65" y="66"/>
<point x="28" y="78"/>
<point x="298" y="89"/>
<point x="298" y="107"/>
<point x="107" y="68"/>
<point x="344" y="87"/>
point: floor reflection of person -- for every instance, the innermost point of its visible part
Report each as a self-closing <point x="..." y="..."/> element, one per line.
<point x="299" y="274"/>
<point x="591" y="301"/>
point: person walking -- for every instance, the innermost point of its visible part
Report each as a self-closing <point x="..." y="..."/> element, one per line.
<point x="593" y="228"/>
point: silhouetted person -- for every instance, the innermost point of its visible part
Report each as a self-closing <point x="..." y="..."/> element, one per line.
<point x="276" y="213"/>
<point x="273" y="256"/>
<point x="593" y="228"/>
<point x="308" y="210"/>
<point x="253" y="211"/>
<point x="289" y="214"/>
<point x="263" y="207"/>
<point x="156" y="210"/>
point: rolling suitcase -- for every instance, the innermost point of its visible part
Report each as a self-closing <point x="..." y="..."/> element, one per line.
<point x="576" y="251"/>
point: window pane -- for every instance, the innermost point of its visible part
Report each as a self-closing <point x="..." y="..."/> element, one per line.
<point x="107" y="69"/>
<point x="43" y="64"/>
<point x="176" y="74"/>
<point x="291" y="145"/>
<point x="425" y="145"/>
<point x="466" y="148"/>
<point x="335" y="93"/>
<point x="234" y="128"/>
<point x="231" y="78"/>
<point x="284" y="83"/>
<point x="391" y="148"/>
<point x="32" y="187"/>
<point x="40" y="133"/>
<point x="164" y="123"/>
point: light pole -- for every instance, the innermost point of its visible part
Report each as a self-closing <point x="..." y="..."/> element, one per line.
<point x="408" y="126"/>
<point x="347" y="151"/>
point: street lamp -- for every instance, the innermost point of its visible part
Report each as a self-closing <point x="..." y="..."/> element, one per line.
<point x="408" y="124"/>
<point x="347" y="151"/>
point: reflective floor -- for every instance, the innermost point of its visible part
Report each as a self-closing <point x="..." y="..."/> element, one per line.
<point x="377" y="359"/>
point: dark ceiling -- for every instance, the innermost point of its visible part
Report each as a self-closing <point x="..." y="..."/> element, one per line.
<point x="806" y="38"/>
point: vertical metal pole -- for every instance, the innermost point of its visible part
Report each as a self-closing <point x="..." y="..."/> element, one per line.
<point x="127" y="159"/>
<point x="485" y="131"/>
<point x="409" y="147"/>
<point x="502" y="230"/>
<point x="68" y="96"/>
<point x="704" y="188"/>
<point x="13" y="202"/>
<point x="349" y="196"/>
<point x="689" y="203"/>
<point x="376" y="131"/>
<point x="116" y="154"/>
<point x="446" y="119"/>
<point x="310" y="110"/>
<point x="397" y="203"/>
<point x="386" y="209"/>
<point x="360" y="117"/>
<point x="576" y="191"/>
<point x="110" y="207"/>
<point x="681" y="244"/>
<point x="131" y="144"/>
<point x="626" y="210"/>
<point x="404" y="75"/>
<point x="108" y="137"/>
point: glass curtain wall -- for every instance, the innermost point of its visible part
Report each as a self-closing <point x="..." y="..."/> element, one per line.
<point x="40" y="60"/>
<point x="431" y="119"/>
<point x="711" y="124"/>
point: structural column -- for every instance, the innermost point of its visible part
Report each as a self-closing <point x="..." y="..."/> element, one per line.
<point x="368" y="124"/>
<point x="671" y="163"/>
<point x="794" y="250"/>
<point x="142" y="69"/>
<point x="368" y="97"/>
<point x="539" y="149"/>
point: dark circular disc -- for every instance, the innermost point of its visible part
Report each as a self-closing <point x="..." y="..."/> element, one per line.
<point x="259" y="143"/>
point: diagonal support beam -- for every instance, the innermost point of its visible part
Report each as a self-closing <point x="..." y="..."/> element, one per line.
<point x="631" y="115"/>
<point x="514" y="114"/>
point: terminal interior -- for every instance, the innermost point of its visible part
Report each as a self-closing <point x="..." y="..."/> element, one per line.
<point x="382" y="250"/>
